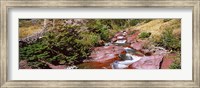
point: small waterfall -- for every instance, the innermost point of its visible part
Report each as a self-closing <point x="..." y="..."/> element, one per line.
<point x="126" y="59"/>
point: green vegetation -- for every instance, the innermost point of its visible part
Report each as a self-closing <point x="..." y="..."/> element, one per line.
<point x="33" y="52"/>
<point x="71" y="44"/>
<point x="164" y="33"/>
<point x="144" y="35"/>
<point x="170" y="41"/>
<point x="65" y="46"/>
<point x="175" y="65"/>
<point x="177" y="62"/>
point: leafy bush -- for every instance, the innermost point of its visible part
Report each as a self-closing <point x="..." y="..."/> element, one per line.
<point x="134" y="22"/>
<point x="33" y="52"/>
<point x="144" y="35"/>
<point x="88" y="39"/>
<point x="99" y="28"/>
<point x="170" y="41"/>
<point x="175" y="65"/>
<point x="66" y="46"/>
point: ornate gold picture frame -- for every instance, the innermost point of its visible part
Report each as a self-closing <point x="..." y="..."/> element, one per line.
<point x="7" y="4"/>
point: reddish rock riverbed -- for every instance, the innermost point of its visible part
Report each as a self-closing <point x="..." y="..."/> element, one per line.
<point x="108" y="57"/>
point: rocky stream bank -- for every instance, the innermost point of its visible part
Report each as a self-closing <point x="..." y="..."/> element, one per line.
<point x="126" y="51"/>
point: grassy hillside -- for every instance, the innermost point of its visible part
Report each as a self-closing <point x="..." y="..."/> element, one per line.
<point x="157" y="27"/>
<point x="26" y="28"/>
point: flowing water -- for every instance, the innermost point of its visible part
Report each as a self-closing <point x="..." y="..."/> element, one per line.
<point x="125" y="52"/>
<point x="120" y="60"/>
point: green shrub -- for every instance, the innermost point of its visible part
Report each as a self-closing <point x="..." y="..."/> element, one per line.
<point x="100" y="28"/>
<point x="66" y="46"/>
<point x="175" y="65"/>
<point x="33" y="52"/>
<point x="177" y="61"/>
<point x="134" y="22"/>
<point x="170" y="41"/>
<point x="88" y="39"/>
<point x="144" y="35"/>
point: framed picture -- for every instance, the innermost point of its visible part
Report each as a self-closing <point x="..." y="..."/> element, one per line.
<point x="121" y="43"/>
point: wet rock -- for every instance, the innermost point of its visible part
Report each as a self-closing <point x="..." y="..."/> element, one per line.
<point x="108" y="44"/>
<point x="104" y="57"/>
<point x="104" y="53"/>
<point x="167" y="61"/>
<point x="132" y="37"/>
<point x="159" y="51"/>
<point x="125" y="63"/>
<point x="129" y="50"/>
<point x="121" y="38"/>
<point x="137" y="45"/>
<point x="146" y="51"/>
<point x="125" y="56"/>
<point x="117" y="65"/>
<point x="148" y="62"/>
<point x="120" y="42"/>
<point x="124" y="33"/>
<point x="113" y="40"/>
<point x="154" y="51"/>
<point x="98" y="65"/>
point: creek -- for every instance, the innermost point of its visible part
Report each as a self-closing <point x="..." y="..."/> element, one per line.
<point x="113" y="55"/>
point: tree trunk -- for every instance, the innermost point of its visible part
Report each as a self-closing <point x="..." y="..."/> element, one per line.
<point x="53" y="23"/>
<point x="45" y="23"/>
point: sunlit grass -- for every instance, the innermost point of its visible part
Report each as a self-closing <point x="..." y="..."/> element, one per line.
<point x="156" y="27"/>
<point x="26" y="31"/>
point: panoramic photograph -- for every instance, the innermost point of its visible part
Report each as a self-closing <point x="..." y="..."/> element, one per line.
<point x="99" y="43"/>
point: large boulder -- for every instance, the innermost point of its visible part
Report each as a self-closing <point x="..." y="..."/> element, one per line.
<point x="137" y="45"/>
<point x="104" y="53"/>
<point x="113" y="40"/>
<point x="148" y="62"/>
<point x="168" y="61"/>
<point x="132" y="37"/>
